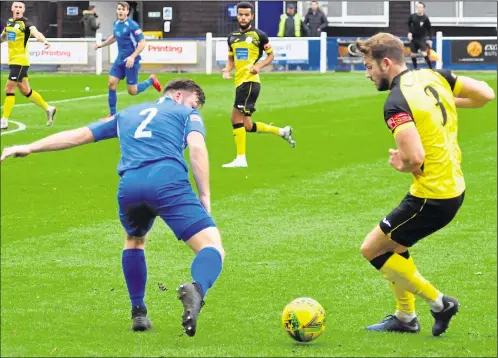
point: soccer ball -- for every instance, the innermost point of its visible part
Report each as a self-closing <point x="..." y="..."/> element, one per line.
<point x="304" y="319"/>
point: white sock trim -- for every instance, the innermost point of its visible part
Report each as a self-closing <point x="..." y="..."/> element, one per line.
<point x="437" y="305"/>
<point x="405" y="317"/>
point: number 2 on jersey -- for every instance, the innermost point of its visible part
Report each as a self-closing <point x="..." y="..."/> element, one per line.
<point x="434" y="93"/>
<point x="141" y="132"/>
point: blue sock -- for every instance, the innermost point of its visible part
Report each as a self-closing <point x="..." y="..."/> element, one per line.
<point x="206" y="268"/>
<point x="135" y="273"/>
<point x="142" y="86"/>
<point x="112" y="99"/>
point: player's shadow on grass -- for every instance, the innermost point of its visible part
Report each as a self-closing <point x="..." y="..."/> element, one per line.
<point x="301" y="346"/>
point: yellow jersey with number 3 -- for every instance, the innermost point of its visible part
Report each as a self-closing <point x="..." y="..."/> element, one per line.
<point x="17" y="33"/>
<point x="246" y="48"/>
<point x="424" y="99"/>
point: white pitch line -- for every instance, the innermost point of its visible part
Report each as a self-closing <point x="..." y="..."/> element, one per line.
<point x="20" y="127"/>
<point x="68" y="100"/>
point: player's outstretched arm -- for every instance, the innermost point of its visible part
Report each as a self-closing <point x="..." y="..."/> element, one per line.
<point x="58" y="141"/>
<point x="200" y="167"/>
<point x="109" y="41"/>
<point x="39" y="36"/>
<point x="472" y="93"/>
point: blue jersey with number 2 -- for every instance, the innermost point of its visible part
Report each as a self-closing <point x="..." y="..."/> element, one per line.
<point x="151" y="132"/>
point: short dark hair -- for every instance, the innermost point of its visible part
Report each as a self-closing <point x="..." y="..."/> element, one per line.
<point x="245" y="5"/>
<point x="382" y="45"/>
<point x="421" y="3"/>
<point x="124" y="4"/>
<point x="179" y="84"/>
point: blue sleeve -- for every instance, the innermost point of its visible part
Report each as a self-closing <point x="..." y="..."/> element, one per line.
<point x="137" y="32"/>
<point x="195" y="124"/>
<point x="104" y="129"/>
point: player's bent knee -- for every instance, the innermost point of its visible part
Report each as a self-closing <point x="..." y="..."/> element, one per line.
<point x="113" y="83"/>
<point x="132" y="90"/>
<point x="366" y="250"/>
<point x="134" y="242"/>
<point x="370" y="248"/>
<point x="10" y="87"/>
<point x="208" y="237"/>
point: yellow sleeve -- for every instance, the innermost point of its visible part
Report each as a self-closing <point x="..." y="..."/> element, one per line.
<point x="402" y="127"/>
<point x="458" y="87"/>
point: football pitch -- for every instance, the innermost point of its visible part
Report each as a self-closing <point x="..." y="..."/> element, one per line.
<point x="292" y="224"/>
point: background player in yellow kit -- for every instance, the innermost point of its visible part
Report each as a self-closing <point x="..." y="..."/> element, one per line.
<point x="246" y="47"/>
<point x="421" y="113"/>
<point x="17" y="33"/>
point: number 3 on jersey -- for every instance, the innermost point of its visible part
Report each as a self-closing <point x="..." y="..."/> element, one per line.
<point x="435" y="95"/>
<point x="141" y="132"/>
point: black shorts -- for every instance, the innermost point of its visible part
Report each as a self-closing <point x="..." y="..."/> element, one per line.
<point x="418" y="44"/>
<point x="18" y="73"/>
<point x="245" y="97"/>
<point x="416" y="218"/>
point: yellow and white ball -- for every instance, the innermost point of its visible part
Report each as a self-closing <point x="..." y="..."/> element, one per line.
<point x="304" y="319"/>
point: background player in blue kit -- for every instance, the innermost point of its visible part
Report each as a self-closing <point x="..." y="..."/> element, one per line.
<point x="131" y="42"/>
<point x="154" y="182"/>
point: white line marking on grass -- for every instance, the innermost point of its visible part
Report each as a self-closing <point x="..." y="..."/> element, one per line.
<point x="20" y="127"/>
<point x="69" y="99"/>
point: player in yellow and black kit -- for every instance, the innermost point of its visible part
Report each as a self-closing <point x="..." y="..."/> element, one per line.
<point x="17" y="31"/>
<point x="421" y="113"/>
<point x="246" y="47"/>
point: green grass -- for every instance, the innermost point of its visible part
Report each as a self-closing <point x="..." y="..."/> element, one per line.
<point x="292" y="224"/>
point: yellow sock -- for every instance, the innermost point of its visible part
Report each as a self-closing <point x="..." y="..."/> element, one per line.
<point x="38" y="100"/>
<point x="405" y="301"/>
<point x="8" y="105"/>
<point x="404" y="274"/>
<point x="266" y="128"/>
<point x="240" y="140"/>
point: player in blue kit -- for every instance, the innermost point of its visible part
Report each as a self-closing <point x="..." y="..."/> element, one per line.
<point x="154" y="182"/>
<point x="131" y="42"/>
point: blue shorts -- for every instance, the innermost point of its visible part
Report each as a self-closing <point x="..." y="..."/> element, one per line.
<point x="160" y="190"/>
<point x="120" y="71"/>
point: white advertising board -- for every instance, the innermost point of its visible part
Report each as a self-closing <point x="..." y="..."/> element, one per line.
<point x="59" y="53"/>
<point x="164" y="52"/>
